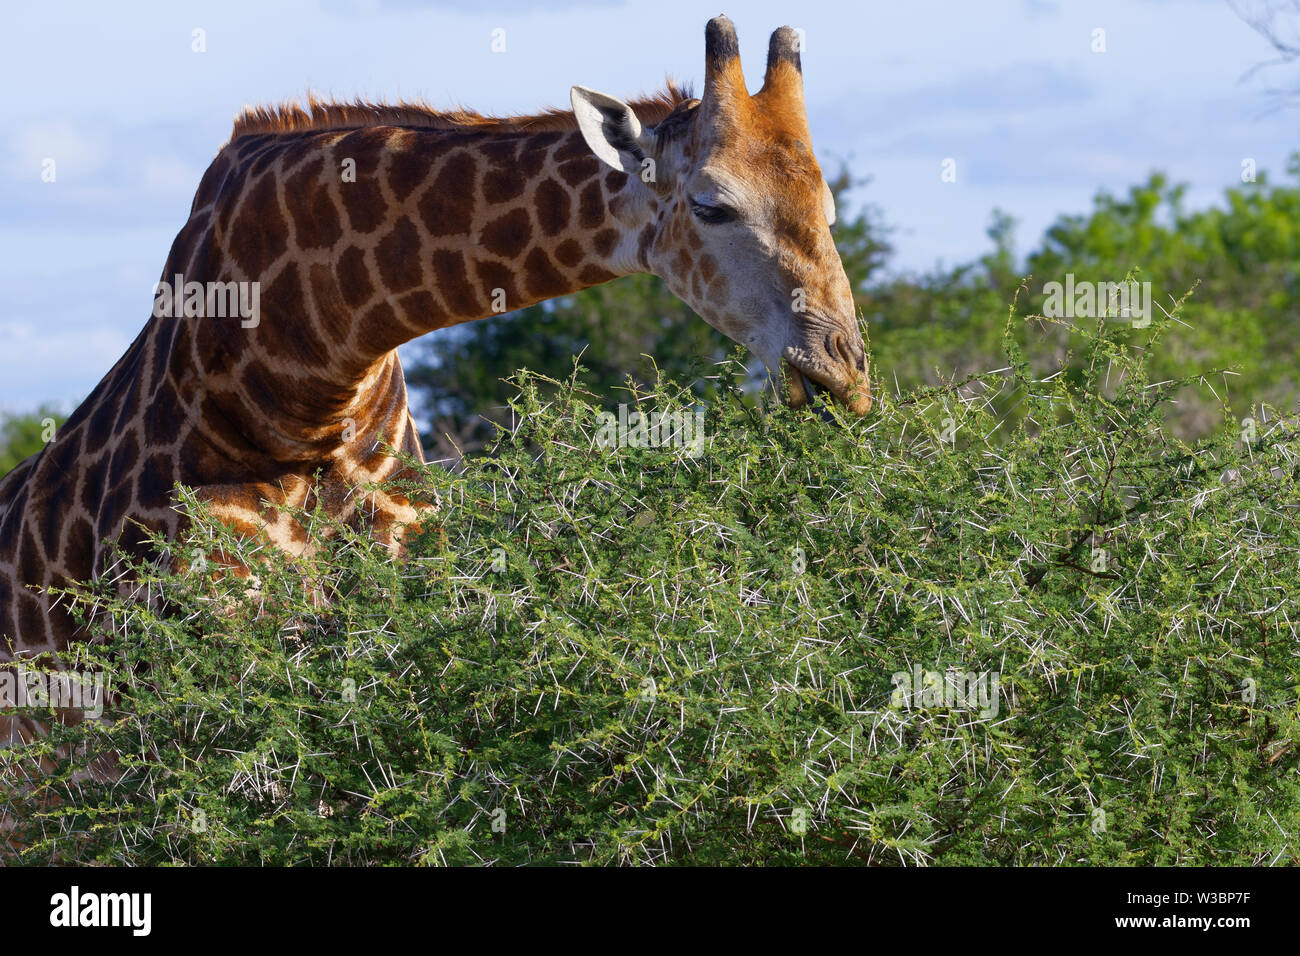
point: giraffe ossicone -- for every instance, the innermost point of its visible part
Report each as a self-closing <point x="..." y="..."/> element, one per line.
<point x="358" y="227"/>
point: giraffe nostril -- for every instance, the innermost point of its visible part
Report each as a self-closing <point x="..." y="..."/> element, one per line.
<point x="840" y="347"/>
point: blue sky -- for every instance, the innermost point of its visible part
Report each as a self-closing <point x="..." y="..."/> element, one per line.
<point x="1011" y="89"/>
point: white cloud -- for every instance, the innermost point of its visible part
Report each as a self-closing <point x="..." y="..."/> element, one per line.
<point x="43" y="362"/>
<point x="76" y="155"/>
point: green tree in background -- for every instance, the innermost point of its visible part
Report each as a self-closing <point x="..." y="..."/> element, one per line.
<point x="1240" y="260"/>
<point x="22" y="436"/>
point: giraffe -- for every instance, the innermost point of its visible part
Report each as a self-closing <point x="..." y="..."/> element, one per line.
<point x="364" y="226"/>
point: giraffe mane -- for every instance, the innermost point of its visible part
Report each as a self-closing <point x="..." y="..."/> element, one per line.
<point x="323" y="114"/>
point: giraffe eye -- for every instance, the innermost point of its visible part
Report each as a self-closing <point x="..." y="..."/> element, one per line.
<point x="712" y="214"/>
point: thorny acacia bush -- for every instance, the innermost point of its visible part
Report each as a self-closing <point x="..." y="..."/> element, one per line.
<point x="639" y="655"/>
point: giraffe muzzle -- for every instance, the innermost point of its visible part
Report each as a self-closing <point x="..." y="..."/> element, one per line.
<point x="812" y="377"/>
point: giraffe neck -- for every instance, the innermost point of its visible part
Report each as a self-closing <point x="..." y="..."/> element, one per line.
<point x="363" y="240"/>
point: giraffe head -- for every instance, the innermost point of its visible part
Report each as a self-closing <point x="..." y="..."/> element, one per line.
<point x="738" y="216"/>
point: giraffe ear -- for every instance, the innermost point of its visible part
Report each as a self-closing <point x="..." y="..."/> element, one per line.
<point x="611" y="129"/>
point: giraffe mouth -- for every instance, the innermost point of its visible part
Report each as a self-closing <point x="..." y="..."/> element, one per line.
<point x="839" y="380"/>
<point x="810" y="393"/>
